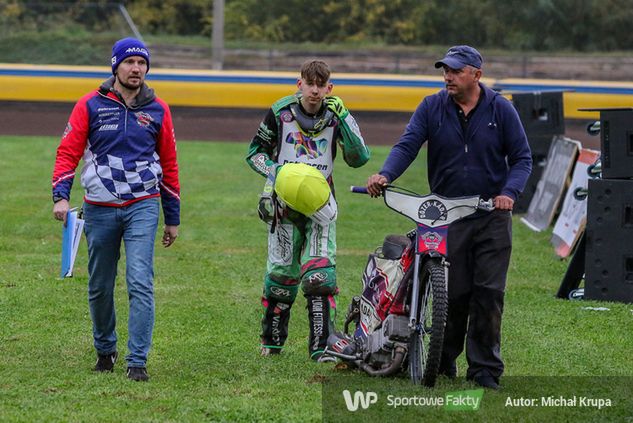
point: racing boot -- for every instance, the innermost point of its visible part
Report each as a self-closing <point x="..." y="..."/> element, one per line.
<point x="320" y="311"/>
<point x="274" y="326"/>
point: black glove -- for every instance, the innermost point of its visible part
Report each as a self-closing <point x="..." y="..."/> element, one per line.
<point x="266" y="209"/>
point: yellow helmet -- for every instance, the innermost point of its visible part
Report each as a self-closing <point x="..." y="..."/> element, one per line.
<point x="304" y="189"/>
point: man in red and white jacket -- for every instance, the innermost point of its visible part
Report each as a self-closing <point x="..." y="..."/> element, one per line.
<point x="125" y="135"/>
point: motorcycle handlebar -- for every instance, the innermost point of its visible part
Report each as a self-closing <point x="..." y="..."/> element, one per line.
<point x="488" y="205"/>
<point x="358" y="190"/>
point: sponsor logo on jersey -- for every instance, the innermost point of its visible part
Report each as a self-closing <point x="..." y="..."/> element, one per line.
<point x="137" y="50"/>
<point x="286" y="116"/>
<point x="67" y="130"/>
<point x="259" y="162"/>
<point x="143" y="119"/>
<point x="108" y="114"/>
<point x="109" y="127"/>
<point x="307" y="146"/>
<point x="321" y="167"/>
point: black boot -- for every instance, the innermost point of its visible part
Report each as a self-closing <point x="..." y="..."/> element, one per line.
<point x="319" y="310"/>
<point x="274" y="326"/>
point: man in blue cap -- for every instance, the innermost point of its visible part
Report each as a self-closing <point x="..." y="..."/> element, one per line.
<point x="476" y="146"/>
<point x="125" y="135"/>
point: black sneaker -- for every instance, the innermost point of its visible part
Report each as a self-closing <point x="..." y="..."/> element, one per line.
<point x="105" y="363"/>
<point x="138" y="374"/>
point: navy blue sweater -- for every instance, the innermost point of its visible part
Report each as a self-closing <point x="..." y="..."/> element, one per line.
<point x="492" y="158"/>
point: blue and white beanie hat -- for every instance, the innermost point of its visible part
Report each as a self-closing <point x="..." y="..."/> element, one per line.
<point x="128" y="47"/>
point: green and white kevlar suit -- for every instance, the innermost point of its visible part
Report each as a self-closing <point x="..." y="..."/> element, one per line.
<point x="300" y="249"/>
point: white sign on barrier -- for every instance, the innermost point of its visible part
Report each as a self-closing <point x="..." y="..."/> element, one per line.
<point x="573" y="216"/>
<point x="549" y="190"/>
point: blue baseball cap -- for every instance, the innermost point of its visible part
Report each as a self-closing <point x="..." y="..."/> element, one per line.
<point x="459" y="56"/>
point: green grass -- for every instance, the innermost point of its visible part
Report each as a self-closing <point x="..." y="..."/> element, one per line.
<point x="204" y="364"/>
<point x="62" y="47"/>
<point x="74" y="45"/>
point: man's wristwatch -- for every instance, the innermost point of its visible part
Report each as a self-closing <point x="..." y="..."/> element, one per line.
<point x="57" y="198"/>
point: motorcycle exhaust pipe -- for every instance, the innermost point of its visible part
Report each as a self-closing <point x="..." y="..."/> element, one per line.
<point x="393" y="368"/>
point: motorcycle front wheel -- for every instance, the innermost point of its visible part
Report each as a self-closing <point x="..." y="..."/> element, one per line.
<point x="426" y="340"/>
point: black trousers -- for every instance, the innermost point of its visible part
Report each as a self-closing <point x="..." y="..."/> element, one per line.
<point x="479" y="254"/>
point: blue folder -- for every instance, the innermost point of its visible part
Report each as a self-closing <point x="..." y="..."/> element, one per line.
<point x="71" y="235"/>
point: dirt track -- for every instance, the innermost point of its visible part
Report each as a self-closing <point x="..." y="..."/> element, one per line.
<point x="202" y="124"/>
<point x="191" y="123"/>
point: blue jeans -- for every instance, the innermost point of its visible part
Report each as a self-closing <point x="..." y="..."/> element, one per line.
<point x="105" y="227"/>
